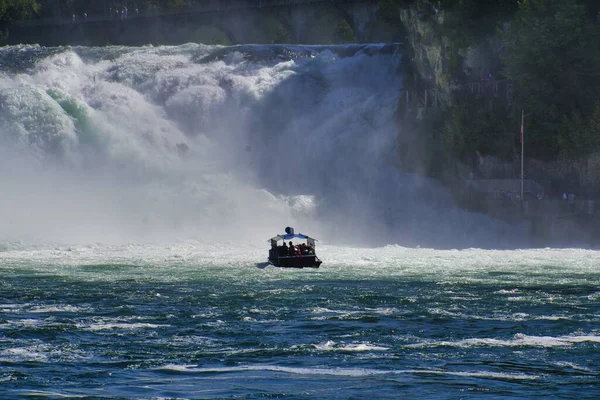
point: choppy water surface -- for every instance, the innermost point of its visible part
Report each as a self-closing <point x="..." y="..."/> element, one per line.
<point x="209" y="321"/>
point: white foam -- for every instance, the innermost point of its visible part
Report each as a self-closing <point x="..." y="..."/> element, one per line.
<point x="360" y="347"/>
<point x="56" y="309"/>
<point x="519" y="340"/>
<point x="28" y="322"/>
<point x="125" y="326"/>
<point x="476" y="266"/>
<point x="351" y="347"/>
<point x="50" y="394"/>
<point x="577" y="367"/>
<point x="346" y="372"/>
<point x="10" y="308"/>
<point x="194" y="340"/>
<point x="23" y="354"/>
<point x="511" y="291"/>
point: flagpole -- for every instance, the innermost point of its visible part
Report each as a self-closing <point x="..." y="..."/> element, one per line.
<point x="522" y="151"/>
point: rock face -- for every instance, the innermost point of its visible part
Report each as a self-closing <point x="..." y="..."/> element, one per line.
<point x="421" y="21"/>
<point x="438" y="59"/>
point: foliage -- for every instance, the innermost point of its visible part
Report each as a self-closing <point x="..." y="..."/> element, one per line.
<point x="466" y="21"/>
<point x="477" y="9"/>
<point x="477" y="125"/>
<point x="444" y="142"/>
<point x="14" y="10"/>
<point x="343" y="32"/>
<point x="552" y="56"/>
<point x="580" y="135"/>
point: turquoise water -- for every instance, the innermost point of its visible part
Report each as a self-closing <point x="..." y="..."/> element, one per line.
<point x="213" y="321"/>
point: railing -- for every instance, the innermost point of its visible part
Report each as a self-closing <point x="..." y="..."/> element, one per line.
<point x="430" y="98"/>
<point x="494" y="88"/>
<point x="427" y="98"/>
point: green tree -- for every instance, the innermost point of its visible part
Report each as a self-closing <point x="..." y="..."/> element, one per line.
<point x="552" y="54"/>
<point x="580" y="135"/>
<point x="466" y="21"/>
<point x="14" y="10"/>
<point x="477" y="125"/>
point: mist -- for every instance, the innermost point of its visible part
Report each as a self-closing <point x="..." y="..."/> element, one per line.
<point x="210" y="143"/>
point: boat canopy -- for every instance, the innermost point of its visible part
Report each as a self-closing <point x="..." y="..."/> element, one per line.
<point x="288" y="237"/>
<point x="290" y="234"/>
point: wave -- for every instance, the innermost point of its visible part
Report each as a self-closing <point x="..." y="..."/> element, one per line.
<point x="353" y="347"/>
<point x="344" y="372"/>
<point x="519" y="340"/>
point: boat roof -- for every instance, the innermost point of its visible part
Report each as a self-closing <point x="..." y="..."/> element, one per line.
<point x="291" y="236"/>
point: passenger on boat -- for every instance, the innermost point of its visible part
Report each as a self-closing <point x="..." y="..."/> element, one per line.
<point x="292" y="249"/>
<point x="303" y="249"/>
<point x="283" y="250"/>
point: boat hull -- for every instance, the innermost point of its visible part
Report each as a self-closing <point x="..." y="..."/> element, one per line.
<point x="308" y="261"/>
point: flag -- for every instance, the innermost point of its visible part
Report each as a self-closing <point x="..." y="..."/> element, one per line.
<point x="521" y="131"/>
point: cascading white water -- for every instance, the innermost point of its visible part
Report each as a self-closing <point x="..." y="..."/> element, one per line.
<point x="212" y="143"/>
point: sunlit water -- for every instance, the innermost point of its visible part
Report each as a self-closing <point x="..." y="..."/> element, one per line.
<point x="196" y="320"/>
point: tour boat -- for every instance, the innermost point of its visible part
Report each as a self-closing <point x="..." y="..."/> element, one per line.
<point x="299" y="255"/>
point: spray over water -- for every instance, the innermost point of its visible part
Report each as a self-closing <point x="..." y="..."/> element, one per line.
<point x="211" y="143"/>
